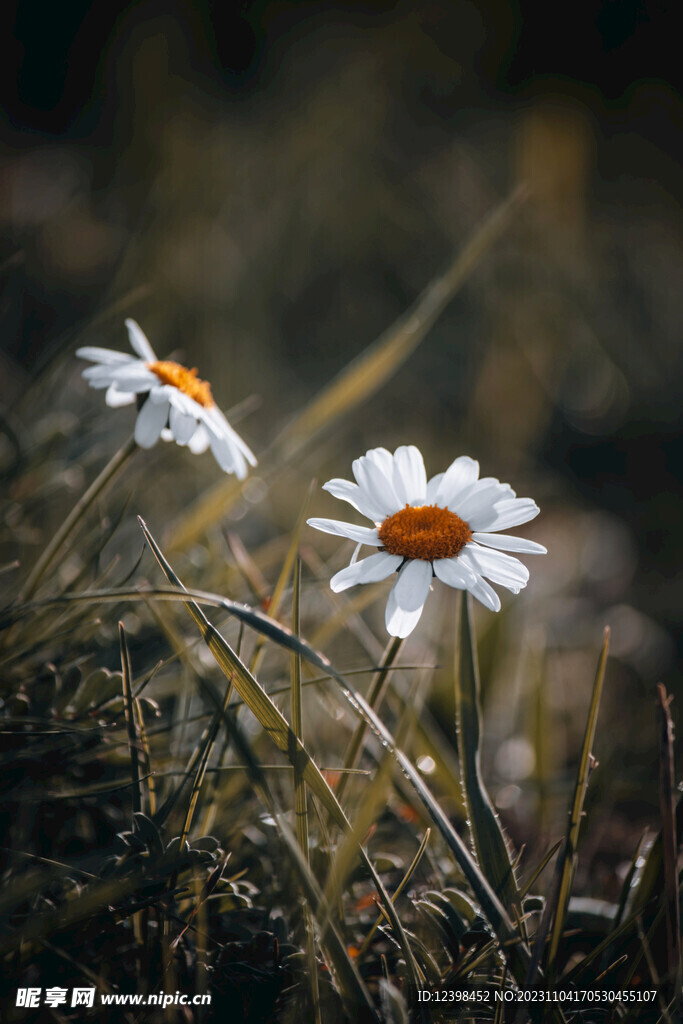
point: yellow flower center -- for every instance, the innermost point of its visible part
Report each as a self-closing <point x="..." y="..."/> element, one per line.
<point x="425" y="532"/>
<point x="184" y="380"/>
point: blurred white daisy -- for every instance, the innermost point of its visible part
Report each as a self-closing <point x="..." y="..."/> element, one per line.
<point x="443" y="528"/>
<point x="175" y="403"/>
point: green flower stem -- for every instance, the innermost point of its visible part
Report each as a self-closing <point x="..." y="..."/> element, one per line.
<point x="111" y="470"/>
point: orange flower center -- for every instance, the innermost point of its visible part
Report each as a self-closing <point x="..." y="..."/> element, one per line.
<point x="425" y="532"/>
<point x="184" y="380"/>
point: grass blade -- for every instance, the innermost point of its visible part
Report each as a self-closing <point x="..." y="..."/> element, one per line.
<point x="131" y="720"/>
<point x="567" y="861"/>
<point x="487" y="836"/>
<point x="669" y="844"/>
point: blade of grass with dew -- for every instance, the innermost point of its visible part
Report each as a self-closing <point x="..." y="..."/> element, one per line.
<point x="364" y="376"/>
<point x="487" y="835"/>
<point x="567" y="861"/>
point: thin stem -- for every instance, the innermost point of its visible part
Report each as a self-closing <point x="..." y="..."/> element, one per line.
<point x="116" y="463"/>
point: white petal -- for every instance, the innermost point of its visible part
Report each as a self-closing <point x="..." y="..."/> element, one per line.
<point x="152" y="418"/>
<point x="228" y="455"/>
<point x="115" y="398"/>
<point x="139" y="342"/>
<point x="361" y="534"/>
<point x="102" y="355"/>
<point x="407" y="597"/>
<point x="454" y="572"/>
<point x="505" y="543"/>
<point x="369" y="570"/>
<point x="383" y="459"/>
<point x="433" y="488"/>
<point x="199" y="441"/>
<point x="484" y="593"/>
<point x="352" y="493"/>
<point x="481" y="497"/>
<point x="376" y="486"/>
<point x="133" y="377"/>
<point x="499" y="568"/>
<point x="182" y="425"/>
<point x="460" y="475"/>
<point x="409" y="477"/>
<point x="505" y="514"/>
<point x="215" y="421"/>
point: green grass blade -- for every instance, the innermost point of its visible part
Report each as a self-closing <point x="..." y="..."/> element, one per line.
<point x="375" y="693"/>
<point x="567" y="861"/>
<point x="131" y="720"/>
<point x="487" y="835"/>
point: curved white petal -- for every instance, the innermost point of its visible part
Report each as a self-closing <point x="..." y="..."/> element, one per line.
<point x="152" y="418"/>
<point x="484" y="593"/>
<point x="102" y="355"/>
<point x="139" y="343"/>
<point x="454" y="573"/>
<point x="361" y="534"/>
<point x="460" y="475"/>
<point x="347" y="491"/>
<point x="376" y="486"/>
<point x="228" y="455"/>
<point x="409" y="476"/>
<point x="369" y="570"/>
<point x="407" y="597"/>
<point x="215" y="421"/>
<point x="182" y="424"/>
<point x="133" y="377"/>
<point x="382" y="458"/>
<point x="199" y="441"/>
<point x="433" y="486"/>
<point x="503" y="542"/>
<point x="115" y="398"/>
<point x="496" y="566"/>
<point x="504" y="514"/>
<point x="481" y="497"/>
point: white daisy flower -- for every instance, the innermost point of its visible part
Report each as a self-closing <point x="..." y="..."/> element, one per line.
<point x="176" y="404"/>
<point x="443" y="528"/>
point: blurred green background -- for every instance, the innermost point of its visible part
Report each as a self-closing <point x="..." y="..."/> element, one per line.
<point x="266" y="187"/>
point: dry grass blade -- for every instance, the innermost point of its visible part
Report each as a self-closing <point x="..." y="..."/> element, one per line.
<point x="669" y="843"/>
<point x="525" y="889"/>
<point x="375" y="693"/>
<point x="284" y="576"/>
<point x="361" y="378"/>
<point x="110" y="471"/>
<point x="300" y="803"/>
<point x="131" y="720"/>
<point x="567" y="861"/>
<point x="487" y="836"/>
<point x="399" y="889"/>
